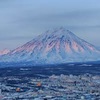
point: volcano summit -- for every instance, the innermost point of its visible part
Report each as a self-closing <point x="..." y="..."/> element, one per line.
<point x="53" y="47"/>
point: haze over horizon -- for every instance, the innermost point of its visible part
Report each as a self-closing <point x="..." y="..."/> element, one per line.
<point x="22" y="20"/>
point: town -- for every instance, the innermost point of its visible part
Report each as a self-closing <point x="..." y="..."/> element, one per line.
<point x="54" y="87"/>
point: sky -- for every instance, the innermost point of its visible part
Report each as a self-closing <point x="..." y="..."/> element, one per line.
<point x="22" y="20"/>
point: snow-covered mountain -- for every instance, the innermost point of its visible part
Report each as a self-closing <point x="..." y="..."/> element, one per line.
<point x="54" y="47"/>
<point x="3" y="52"/>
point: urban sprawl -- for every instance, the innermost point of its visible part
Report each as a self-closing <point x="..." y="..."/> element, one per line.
<point x="55" y="87"/>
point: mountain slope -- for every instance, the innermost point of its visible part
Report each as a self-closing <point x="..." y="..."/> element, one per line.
<point x="3" y="52"/>
<point x="54" y="47"/>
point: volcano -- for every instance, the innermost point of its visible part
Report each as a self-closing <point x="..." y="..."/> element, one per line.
<point x="55" y="46"/>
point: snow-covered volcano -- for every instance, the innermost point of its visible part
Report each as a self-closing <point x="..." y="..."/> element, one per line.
<point x="54" y="47"/>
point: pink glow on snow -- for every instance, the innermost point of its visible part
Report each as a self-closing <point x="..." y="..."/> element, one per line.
<point x="90" y="47"/>
<point x="28" y="49"/>
<point x="67" y="47"/>
<point x="93" y="49"/>
<point x="5" y="51"/>
<point x="75" y="46"/>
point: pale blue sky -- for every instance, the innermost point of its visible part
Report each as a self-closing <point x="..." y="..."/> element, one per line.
<point x="22" y="20"/>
